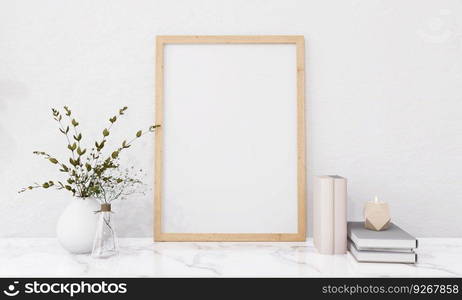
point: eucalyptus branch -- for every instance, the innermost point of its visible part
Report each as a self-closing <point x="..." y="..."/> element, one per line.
<point x="89" y="175"/>
<point x="106" y="132"/>
<point x="126" y="145"/>
<point x="45" y="185"/>
<point x="77" y="135"/>
<point x="72" y="147"/>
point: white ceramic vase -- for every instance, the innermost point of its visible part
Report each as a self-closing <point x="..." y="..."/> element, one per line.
<point x="77" y="225"/>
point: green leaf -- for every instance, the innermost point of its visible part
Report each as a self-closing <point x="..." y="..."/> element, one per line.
<point x="74" y="123"/>
<point x="153" y="127"/>
<point x="115" y="154"/>
<point x="73" y="162"/>
<point x="68" y="187"/>
<point x="45" y="185"/>
<point x="53" y="160"/>
<point x="88" y="167"/>
<point x="138" y="134"/>
<point x="113" y="119"/>
<point x="67" y="129"/>
<point x="105" y="132"/>
<point x="64" y="168"/>
<point x="80" y="151"/>
<point x="68" y="111"/>
<point x="122" y="110"/>
<point x="72" y="147"/>
<point x="100" y="146"/>
<point x="78" y="137"/>
<point x="125" y="145"/>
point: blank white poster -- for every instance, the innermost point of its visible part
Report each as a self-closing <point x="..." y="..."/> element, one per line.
<point x="230" y="138"/>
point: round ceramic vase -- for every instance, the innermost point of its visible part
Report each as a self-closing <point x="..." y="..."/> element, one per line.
<point x="77" y="225"/>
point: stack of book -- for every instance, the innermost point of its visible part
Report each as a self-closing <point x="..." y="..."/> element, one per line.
<point x="393" y="245"/>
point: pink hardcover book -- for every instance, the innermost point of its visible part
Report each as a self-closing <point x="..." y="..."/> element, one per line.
<point x="340" y="215"/>
<point x="323" y="214"/>
<point x="330" y="214"/>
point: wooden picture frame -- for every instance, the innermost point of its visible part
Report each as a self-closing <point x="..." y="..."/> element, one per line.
<point x="300" y="169"/>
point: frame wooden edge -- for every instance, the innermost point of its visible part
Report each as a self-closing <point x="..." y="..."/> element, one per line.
<point x="158" y="139"/>
<point x="230" y="39"/>
<point x="301" y="137"/>
<point x="299" y="41"/>
<point x="231" y="237"/>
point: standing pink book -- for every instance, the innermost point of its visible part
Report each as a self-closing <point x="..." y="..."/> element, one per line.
<point x="340" y="215"/>
<point x="330" y="214"/>
<point x="323" y="214"/>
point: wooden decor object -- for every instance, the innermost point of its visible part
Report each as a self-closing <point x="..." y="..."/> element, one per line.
<point x="376" y="215"/>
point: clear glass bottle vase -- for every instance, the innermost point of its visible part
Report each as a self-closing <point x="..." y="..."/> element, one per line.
<point x="105" y="243"/>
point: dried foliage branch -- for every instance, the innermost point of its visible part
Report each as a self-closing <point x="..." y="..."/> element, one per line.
<point x="88" y="173"/>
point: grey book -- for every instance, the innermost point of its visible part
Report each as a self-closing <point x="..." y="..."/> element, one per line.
<point x="382" y="256"/>
<point x="393" y="238"/>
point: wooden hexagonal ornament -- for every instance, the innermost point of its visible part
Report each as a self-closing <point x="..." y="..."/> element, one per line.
<point x="376" y="215"/>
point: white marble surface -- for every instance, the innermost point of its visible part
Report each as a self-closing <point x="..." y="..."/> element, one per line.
<point x="140" y="257"/>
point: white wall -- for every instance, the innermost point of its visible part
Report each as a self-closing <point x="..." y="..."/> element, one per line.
<point x="384" y="91"/>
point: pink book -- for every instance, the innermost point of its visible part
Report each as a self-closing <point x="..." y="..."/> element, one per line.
<point x="329" y="214"/>
<point x="340" y="215"/>
<point x="323" y="214"/>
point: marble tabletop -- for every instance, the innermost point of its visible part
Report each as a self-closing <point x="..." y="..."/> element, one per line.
<point x="140" y="257"/>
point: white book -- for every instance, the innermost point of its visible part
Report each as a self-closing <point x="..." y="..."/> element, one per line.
<point x="329" y="214"/>
<point x="381" y="256"/>
<point x="391" y="238"/>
